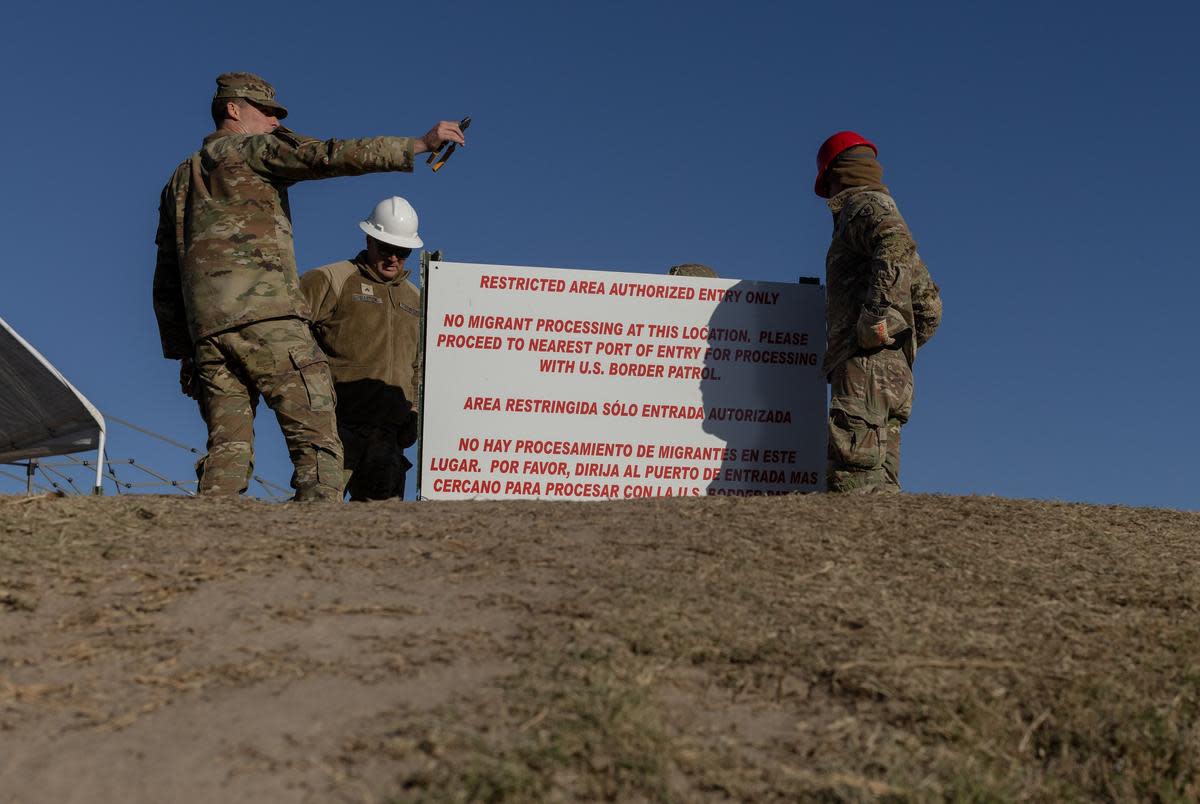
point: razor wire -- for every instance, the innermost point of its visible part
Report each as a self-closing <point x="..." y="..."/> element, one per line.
<point x="48" y="469"/>
<point x="111" y="474"/>
<point x="272" y="491"/>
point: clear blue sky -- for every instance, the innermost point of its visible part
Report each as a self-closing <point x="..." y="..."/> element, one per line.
<point x="1041" y="153"/>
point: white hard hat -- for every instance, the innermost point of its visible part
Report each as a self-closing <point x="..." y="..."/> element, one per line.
<point x="393" y="221"/>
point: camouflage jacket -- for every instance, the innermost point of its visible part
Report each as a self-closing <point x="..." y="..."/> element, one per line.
<point x="371" y="330"/>
<point x="225" y="254"/>
<point x="873" y="265"/>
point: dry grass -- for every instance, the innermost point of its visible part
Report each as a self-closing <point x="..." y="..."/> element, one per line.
<point x="806" y="648"/>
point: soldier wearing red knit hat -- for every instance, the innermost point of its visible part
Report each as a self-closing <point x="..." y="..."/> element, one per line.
<point x="881" y="306"/>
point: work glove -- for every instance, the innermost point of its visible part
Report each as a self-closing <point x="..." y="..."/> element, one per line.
<point x="877" y="331"/>
<point x="189" y="380"/>
<point x="872" y="330"/>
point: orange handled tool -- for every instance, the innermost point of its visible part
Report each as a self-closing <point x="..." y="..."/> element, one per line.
<point x="446" y="148"/>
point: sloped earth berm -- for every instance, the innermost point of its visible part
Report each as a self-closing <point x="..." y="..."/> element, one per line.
<point x="808" y="648"/>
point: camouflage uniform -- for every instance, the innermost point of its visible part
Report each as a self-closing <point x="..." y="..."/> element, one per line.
<point x="873" y="273"/>
<point x="227" y="295"/>
<point x="371" y="330"/>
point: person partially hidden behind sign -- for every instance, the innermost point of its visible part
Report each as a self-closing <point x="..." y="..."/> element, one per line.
<point x="692" y="269"/>
<point x="366" y="316"/>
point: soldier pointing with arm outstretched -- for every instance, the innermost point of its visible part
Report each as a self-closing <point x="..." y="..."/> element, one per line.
<point x="226" y="293"/>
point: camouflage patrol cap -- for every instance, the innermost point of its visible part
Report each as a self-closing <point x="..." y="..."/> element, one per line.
<point x="250" y="87"/>
<point x="692" y="269"/>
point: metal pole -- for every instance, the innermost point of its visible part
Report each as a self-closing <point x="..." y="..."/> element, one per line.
<point x="426" y="258"/>
<point x="98" y="489"/>
<point x="30" y="468"/>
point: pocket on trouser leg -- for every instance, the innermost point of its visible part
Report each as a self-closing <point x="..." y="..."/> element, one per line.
<point x="857" y="452"/>
<point x="313" y="368"/>
<point x="854" y="443"/>
<point x="895" y="386"/>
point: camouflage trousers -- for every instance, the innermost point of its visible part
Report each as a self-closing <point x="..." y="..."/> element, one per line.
<point x="375" y="462"/>
<point x="870" y="398"/>
<point x="279" y="360"/>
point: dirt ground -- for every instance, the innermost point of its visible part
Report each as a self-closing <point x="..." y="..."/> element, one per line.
<point x="806" y="648"/>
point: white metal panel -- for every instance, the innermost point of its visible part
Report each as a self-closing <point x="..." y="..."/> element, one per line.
<point x="574" y="384"/>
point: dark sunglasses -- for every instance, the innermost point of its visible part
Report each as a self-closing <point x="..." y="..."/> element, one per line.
<point x="387" y="250"/>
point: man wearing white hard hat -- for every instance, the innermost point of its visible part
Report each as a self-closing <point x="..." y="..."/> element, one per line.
<point x="366" y="316"/>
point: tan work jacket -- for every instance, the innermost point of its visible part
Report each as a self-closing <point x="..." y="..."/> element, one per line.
<point x="371" y="330"/>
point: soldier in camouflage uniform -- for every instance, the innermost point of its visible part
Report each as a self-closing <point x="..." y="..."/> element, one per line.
<point x="226" y="293"/>
<point x="366" y="316"/>
<point x="881" y="305"/>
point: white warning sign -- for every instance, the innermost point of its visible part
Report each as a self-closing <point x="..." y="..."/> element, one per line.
<point x="576" y="385"/>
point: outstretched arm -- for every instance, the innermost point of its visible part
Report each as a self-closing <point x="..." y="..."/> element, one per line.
<point x="288" y="156"/>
